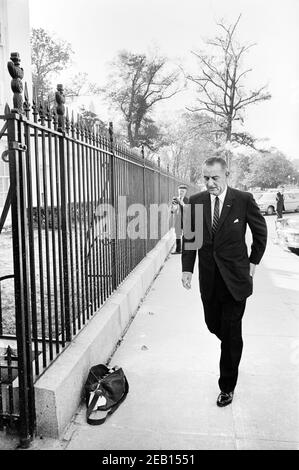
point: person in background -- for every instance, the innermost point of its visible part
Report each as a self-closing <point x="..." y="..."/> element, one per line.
<point x="176" y="210"/>
<point x="280" y="203"/>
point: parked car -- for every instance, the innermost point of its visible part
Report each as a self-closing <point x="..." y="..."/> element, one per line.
<point x="287" y="231"/>
<point x="267" y="202"/>
<point x="257" y="195"/>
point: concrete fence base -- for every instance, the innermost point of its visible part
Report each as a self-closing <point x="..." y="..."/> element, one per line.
<point x="58" y="392"/>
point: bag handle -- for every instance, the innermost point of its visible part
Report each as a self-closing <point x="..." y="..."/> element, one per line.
<point x="113" y="408"/>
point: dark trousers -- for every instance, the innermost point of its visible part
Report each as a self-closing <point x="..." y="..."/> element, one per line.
<point x="279" y="212"/>
<point x="223" y="316"/>
<point x="178" y="234"/>
<point x="178" y="245"/>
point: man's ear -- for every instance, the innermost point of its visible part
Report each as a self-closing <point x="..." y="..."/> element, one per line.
<point x="227" y="173"/>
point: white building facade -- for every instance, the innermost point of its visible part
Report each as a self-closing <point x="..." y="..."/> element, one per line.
<point x="14" y="37"/>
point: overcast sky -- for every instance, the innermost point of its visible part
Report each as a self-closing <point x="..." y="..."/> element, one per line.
<point x="97" y="29"/>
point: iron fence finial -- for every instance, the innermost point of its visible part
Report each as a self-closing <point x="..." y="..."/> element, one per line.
<point x="73" y="127"/>
<point x="41" y="112"/>
<point x="6" y="109"/>
<point x="26" y="105"/>
<point x="17" y="74"/>
<point x="34" y="104"/>
<point x="67" y="121"/>
<point x="48" y="111"/>
<point x="111" y="132"/>
<point x="60" y="107"/>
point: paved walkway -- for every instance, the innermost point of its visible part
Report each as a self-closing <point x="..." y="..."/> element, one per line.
<point x="171" y="361"/>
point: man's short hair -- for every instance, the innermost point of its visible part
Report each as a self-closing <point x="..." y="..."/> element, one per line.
<point x="213" y="160"/>
<point x="182" y="186"/>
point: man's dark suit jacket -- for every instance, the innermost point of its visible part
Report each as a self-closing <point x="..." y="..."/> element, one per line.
<point x="227" y="249"/>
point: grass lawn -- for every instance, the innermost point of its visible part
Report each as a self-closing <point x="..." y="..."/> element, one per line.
<point x="7" y="286"/>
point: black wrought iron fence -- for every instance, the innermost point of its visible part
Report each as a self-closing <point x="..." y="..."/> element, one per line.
<point x="9" y="400"/>
<point x="71" y="196"/>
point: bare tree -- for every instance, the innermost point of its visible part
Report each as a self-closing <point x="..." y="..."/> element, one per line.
<point x="81" y="86"/>
<point x="138" y="84"/>
<point x="221" y="85"/>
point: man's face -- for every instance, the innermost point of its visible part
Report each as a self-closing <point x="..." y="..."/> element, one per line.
<point x="182" y="192"/>
<point x="215" y="178"/>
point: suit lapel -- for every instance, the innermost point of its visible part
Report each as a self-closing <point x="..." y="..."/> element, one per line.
<point x="227" y="204"/>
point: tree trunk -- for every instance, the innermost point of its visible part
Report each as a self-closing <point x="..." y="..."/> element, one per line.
<point x="136" y="131"/>
<point x="130" y="135"/>
<point x="229" y="129"/>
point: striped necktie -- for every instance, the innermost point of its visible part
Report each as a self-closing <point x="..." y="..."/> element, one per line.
<point x="216" y="215"/>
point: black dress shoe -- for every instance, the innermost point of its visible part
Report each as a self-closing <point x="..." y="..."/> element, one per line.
<point x="225" y="399"/>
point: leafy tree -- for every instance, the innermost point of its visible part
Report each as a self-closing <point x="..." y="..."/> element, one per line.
<point x="189" y="144"/>
<point x="49" y="57"/>
<point x="138" y="84"/>
<point x="240" y="169"/>
<point x="198" y="151"/>
<point x="92" y="121"/>
<point x="295" y="163"/>
<point x="269" y="170"/>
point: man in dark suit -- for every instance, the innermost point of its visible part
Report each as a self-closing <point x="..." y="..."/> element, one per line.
<point x="176" y="210"/>
<point x="225" y="269"/>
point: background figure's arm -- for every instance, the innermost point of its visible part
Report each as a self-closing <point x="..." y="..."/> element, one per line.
<point x="258" y="227"/>
<point x="188" y="256"/>
<point x="173" y="208"/>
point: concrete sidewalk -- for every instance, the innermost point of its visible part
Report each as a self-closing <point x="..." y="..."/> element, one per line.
<point x="171" y="361"/>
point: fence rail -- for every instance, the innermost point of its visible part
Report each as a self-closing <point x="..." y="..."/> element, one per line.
<point x="66" y="263"/>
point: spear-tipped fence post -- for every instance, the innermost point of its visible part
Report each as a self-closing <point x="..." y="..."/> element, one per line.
<point x="26" y="105"/>
<point x="34" y="104"/>
<point x="19" y="197"/>
<point x="144" y="201"/>
<point x="159" y="173"/>
<point x="112" y="202"/>
<point x="60" y="111"/>
<point x="168" y="178"/>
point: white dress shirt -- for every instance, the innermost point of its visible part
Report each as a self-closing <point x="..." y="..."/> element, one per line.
<point x="221" y="201"/>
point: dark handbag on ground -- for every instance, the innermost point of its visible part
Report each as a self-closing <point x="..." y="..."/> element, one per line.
<point x="105" y="389"/>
